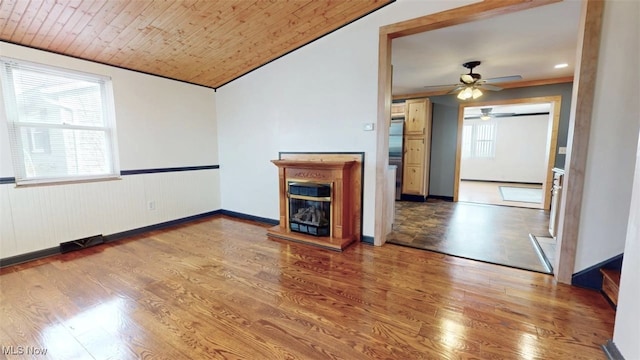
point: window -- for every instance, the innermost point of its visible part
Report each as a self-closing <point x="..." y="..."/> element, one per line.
<point x="39" y="141"/>
<point x="61" y="123"/>
<point x="478" y="140"/>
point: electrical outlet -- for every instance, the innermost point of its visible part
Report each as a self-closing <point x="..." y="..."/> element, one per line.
<point x="562" y="150"/>
<point x="151" y="205"/>
<point x="367" y="127"/>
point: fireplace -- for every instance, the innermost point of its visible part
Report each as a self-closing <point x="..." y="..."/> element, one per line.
<point x="320" y="200"/>
<point x="310" y="208"/>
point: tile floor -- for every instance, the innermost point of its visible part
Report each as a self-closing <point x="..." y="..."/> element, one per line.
<point x="489" y="233"/>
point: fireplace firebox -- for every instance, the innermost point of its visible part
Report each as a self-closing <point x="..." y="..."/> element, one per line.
<point x="310" y="208"/>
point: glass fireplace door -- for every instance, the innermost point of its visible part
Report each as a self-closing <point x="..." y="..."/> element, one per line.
<point x="310" y="208"/>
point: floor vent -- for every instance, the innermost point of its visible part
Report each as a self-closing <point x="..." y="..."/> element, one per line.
<point x="73" y="245"/>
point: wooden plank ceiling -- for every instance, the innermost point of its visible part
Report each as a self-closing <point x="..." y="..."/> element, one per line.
<point x="205" y="42"/>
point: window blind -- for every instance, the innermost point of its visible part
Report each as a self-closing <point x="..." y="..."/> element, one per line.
<point x="61" y="123"/>
<point x="479" y="139"/>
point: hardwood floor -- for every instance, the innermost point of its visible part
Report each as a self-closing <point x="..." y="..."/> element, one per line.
<point x="218" y="288"/>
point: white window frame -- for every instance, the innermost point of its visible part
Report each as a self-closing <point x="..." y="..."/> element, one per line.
<point x="21" y="150"/>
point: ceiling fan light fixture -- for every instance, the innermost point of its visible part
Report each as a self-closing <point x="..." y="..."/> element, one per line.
<point x="467" y="78"/>
<point x="485" y="117"/>
<point x="471" y="83"/>
<point x="465" y="94"/>
<point x="469" y="92"/>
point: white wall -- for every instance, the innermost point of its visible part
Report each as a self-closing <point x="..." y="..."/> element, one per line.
<point x="161" y="123"/>
<point x="627" y="326"/>
<point x="521" y="148"/>
<point x="613" y="138"/>
<point x="314" y="99"/>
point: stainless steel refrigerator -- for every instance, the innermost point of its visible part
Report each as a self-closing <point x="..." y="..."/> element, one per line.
<point x="396" y="131"/>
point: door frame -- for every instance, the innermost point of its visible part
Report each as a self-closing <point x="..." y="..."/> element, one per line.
<point x="579" y="122"/>
<point x="552" y="140"/>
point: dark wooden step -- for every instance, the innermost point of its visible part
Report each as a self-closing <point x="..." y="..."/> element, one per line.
<point x="611" y="284"/>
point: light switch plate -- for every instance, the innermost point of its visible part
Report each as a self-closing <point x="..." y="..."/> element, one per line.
<point x="367" y="127"/>
<point x="562" y="150"/>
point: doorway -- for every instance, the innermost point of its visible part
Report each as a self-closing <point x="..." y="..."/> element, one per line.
<point x="505" y="235"/>
<point x="507" y="151"/>
<point x="588" y="37"/>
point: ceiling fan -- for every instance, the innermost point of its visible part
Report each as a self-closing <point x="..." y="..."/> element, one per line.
<point x="487" y="114"/>
<point x="472" y="83"/>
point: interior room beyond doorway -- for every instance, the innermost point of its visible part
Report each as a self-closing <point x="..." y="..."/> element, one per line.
<point x="504" y="154"/>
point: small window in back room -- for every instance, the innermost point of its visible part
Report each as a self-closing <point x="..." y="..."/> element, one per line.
<point x="479" y="139"/>
<point x="61" y="123"/>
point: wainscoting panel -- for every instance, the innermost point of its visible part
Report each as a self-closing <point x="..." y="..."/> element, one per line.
<point x="41" y="217"/>
<point x="7" y="239"/>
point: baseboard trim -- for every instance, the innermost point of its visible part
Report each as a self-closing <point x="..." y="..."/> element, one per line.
<point x="441" y="197"/>
<point x="160" y="226"/>
<point x="415" y="198"/>
<point x="503" y="181"/>
<point x="250" y="217"/>
<point x="30" y="256"/>
<point x="591" y="278"/>
<point x="22" y="258"/>
<point x="611" y="351"/>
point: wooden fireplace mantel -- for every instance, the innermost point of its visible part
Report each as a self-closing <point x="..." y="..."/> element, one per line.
<point x="337" y="173"/>
<point x="311" y="164"/>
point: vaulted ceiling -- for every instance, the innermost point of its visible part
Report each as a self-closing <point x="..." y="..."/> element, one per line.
<point x="204" y="42"/>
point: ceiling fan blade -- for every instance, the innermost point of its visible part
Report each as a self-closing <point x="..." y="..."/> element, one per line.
<point x="439" y="86"/>
<point x="490" y="114"/>
<point x="503" y="114"/>
<point x="456" y="89"/>
<point x="502" y="79"/>
<point x="484" y="86"/>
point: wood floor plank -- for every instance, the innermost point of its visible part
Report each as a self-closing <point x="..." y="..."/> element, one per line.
<point x="219" y="289"/>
